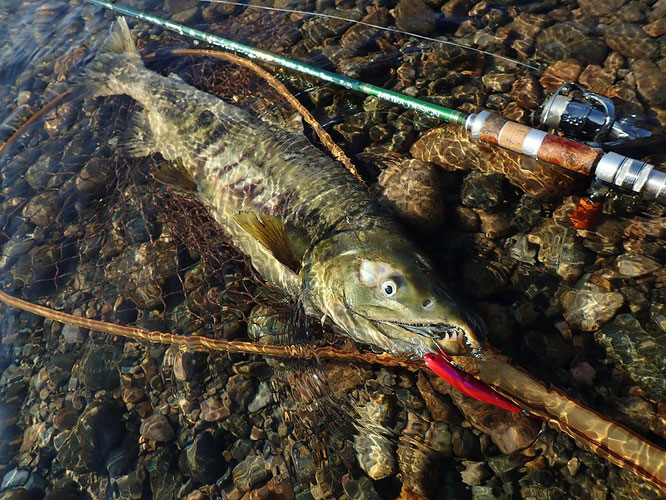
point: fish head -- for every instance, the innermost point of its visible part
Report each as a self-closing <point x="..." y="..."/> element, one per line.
<point x="393" y="291"/>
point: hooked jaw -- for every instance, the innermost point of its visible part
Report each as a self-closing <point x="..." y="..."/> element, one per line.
<point x="463" y="337"/>
<point x="454" y="337"/>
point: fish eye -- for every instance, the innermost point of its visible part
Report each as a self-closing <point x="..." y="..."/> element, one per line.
<point x="389" y="288"/>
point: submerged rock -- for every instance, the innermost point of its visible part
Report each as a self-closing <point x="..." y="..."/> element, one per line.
<point x="481" y="190"/>
<point x="204" y="457"/>
<point x="250" y="472"/>
<point x="413" y="190"/>
<point x="374" y="445"/>
<point x="99" y="429"/>
<point x="630" y="41"/>
<point x="157" y="428"/>
<point x="587" y="310"/>
<point x="634" y="265"/>
<point x="415" y="16"/>
<point x="99" y="368"/>
<point x="509" y="431"/>
<point x="559" y="249"/>
<point x="43" y="209"/>
<point x="641" y="354"/>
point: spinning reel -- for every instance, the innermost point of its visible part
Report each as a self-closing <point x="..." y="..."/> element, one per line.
<point x="589" y="117"/>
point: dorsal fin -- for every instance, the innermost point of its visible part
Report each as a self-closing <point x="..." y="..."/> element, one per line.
<point x="271" y="233"/>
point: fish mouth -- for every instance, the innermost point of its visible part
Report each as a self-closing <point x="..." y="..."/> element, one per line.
<point x="444" y="332"/>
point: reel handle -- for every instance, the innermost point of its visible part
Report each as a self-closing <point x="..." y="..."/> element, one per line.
<point x="612" y="168"/>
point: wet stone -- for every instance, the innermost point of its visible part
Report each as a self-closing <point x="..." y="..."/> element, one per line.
<point x="13" y="248"/>
<point x="359" y="36"/>
<point x="639" y="353"/>
<point x="634" y="411"/>
<point x="567" y="70"/>
<point x="514" y="113"/>
<point x="656" y="28"/>
<point x="637" y="300"/>
<point x="93" y="178"/>
<point x="43" y="208"/>
<point x="121" y="460"/>
<point x="597" y="79"/>
<point x="130" y="485"/>
<point x="550" y="348"/>
<point x="596" y="8"/>
<point x="262" y="398"/>
<point x="65" y="419"/>
<point x="467" y="219"/>
<point x="558" y="41"/>
<point x="41" y="172"/>
<point x="140" y="272"/>
<point x="71" y="334"/>
<point x="204" y="457"/>
<point x="98" y="430"/>
<point x="630" y="41"/>
<point x="415" y="16"/>
<point x="165" y="480"/>
<point x="412" y="189"/>
<point x="481" y="190"/>
<point x="241" y="391"/>
<point x="361" y="488"/>
<point x="15" y="478"/>
<point x="497" y="102"/>
<point x="559" y="250"/>
<point x="634" y="265"/>
<point x="504" y="466"/>
<point x="99" y="368"/>
<point x="456" y="8"/>
<point x="499" y="82"/>
<point x="587" y="310"/>
<point x="212" y="410"/>
<point x="36" y="268"/>
<point x="250" y="472"/>
<point x="526" y="91"/>
<point x="376" y="454"/>
<point x="440" y="409"/>
<point x="157" y="428"/>
<point x="499" y="321"/>
<point x="494" y="225"/>
<point x="650" y="81"/>
<point x="527" y="214"/>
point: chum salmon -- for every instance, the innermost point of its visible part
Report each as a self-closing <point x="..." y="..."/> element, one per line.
<point x="309" y="227"/>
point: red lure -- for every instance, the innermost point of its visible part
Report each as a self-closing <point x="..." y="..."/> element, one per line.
<point x="466" y="383"/>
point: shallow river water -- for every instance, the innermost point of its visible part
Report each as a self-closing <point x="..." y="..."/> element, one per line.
<point x="86" y="229"/>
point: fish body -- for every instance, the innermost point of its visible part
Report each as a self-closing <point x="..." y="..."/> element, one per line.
<point x="308" y="226"/>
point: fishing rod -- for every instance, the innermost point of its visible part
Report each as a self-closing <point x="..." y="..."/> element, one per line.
<point x="609" y="168"/>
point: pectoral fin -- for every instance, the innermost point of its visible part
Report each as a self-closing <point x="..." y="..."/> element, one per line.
<point x="272" y="234"/>
<point x="175" y="174"/>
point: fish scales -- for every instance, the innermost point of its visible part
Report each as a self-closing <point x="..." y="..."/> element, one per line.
<point x="241" y="163"/>
<point x="317" y="233"/>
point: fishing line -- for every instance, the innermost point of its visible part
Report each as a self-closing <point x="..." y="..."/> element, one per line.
<point x="613" y="169"/>
<point x="376" y="26"/>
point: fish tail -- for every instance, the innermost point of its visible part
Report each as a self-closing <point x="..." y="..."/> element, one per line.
<point x="114" y="58"/>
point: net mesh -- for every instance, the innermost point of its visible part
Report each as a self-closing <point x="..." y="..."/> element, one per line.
<point x="89" y="231"/>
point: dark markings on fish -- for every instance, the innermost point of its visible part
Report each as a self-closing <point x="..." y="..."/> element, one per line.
<point x="230" y="166"/>
<point x="210" y="137"/>
<point x="206" y="119"/>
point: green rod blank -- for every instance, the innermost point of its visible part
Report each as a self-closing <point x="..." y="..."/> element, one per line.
<point x="446" y="114"/>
